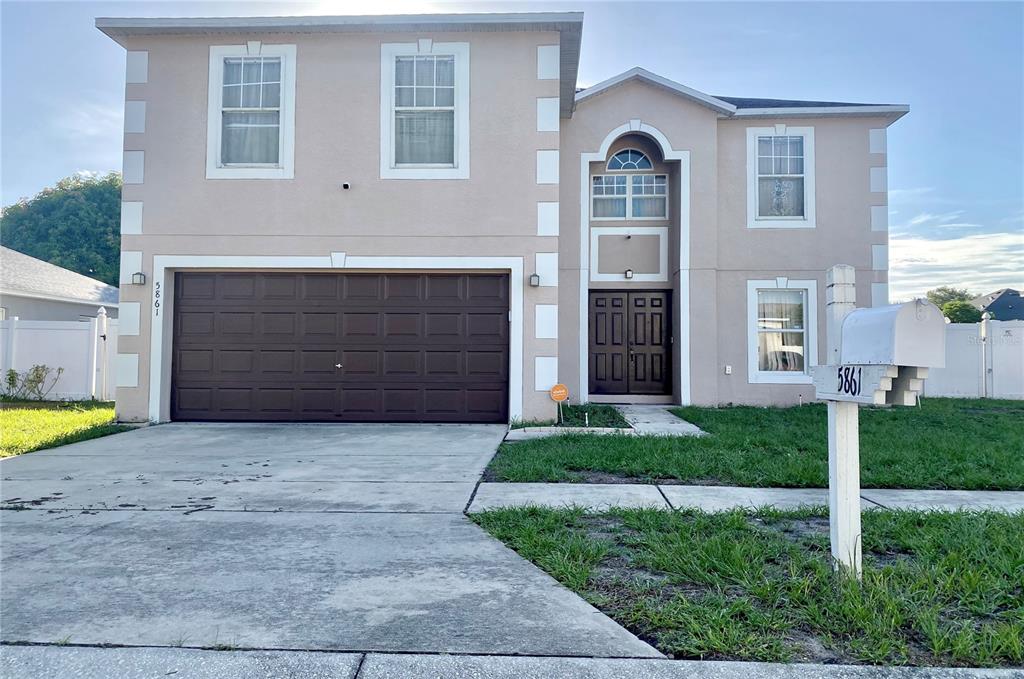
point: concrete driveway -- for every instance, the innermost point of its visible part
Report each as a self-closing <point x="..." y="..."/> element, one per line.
<point x="339" y="537"/>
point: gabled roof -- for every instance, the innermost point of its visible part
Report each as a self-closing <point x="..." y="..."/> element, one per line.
<point x="31" y="277"/>
<point x="569" y="26"/>
<point x="672" y="86"/>
<point x="1004" y="305"/>
<point x="730" y="107"/>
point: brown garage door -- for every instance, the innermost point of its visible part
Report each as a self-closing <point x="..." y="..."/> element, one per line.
<point x="411" y="347"/>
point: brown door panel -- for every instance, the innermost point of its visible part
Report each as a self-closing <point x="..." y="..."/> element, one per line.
<point x="630" y="342"/>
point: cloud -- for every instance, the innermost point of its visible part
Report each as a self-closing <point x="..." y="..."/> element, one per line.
<point x="979" y="262"/>
<point x="907" y="195"/>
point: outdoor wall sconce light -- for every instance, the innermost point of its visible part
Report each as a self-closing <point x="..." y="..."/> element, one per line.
<point x="534" y="280"/>
<point x="628" y="274"/>
<point x="138" y="278"/>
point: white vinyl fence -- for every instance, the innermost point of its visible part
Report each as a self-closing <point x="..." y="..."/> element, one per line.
<point x="86" y="350"/>
<point x="983" y="360"/>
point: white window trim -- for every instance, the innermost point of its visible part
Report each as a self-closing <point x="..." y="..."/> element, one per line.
<point x="661" y="276"/>
<point x="286" y="166"/>
<point x="629" y="174"/>
<point x="682" y="308"/>
<point x="755" y="376"/>
<point x="388" y="53"/>
<point x="808" y="220"/>
<point x="162" y="315"/>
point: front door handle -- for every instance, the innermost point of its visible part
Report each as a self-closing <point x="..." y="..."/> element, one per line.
<point x="337" y="365"/>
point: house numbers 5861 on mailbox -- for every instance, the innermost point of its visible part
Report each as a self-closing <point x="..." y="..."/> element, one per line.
<point x="850" y="379"/>
<point x="865" y="384"/>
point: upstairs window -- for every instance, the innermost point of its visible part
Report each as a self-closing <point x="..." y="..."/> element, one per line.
<point x="425" y="110"/>
<point x="630" y="159"/>
<point x="780" y="177"/>
<point x="251" y="113"/>
<point x="641" y="196"/>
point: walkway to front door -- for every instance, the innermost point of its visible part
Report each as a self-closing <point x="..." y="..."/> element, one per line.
<point x="630" y="342"/>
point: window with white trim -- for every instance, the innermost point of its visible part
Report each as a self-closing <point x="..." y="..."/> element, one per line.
<point x="780" y="169"/>
<point x="780" y="176"/>
<point x="425" y="110"/>
<point x="630" y="159"/>
<point x="629" y="197"/>
<point x="781" y="331"/>
<point x="251" y="114"/>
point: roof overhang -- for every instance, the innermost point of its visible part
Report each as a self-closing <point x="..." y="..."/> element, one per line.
<point x="642" y="74"/>
<point x="895" y="110"/>
<point x="569" y="26"/>
<point x="725" y="109"/>
<point x="4" y="292"/>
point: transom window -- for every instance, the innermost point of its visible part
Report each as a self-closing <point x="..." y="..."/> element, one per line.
<point x="251" y="111"/>
<point x="780" y="177"/>
<point x="639" y="196"/>
<point x="781" y="329"/>
<point x="424" y="111"/>
<point x="630" y="159"/>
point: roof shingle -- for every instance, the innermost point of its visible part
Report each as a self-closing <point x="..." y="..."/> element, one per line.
<point x="20" y="273"/>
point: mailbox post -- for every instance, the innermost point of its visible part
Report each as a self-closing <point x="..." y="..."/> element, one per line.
<point x="876" y="356"/>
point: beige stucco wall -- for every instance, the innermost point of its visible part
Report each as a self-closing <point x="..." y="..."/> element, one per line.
<point x="724" y="253"/>
<point x="337" y="139"/>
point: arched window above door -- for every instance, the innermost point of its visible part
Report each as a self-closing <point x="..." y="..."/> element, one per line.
<point x="630" y="159"/>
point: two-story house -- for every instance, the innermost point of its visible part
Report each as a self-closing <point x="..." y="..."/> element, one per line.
<point x="420" y="218"/>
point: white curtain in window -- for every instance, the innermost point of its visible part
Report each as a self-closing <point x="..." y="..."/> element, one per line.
<point x="425" y="137"/>
<point x="250" y="137"/>
<point x="780" y="333"/>
<point x="649" y="207"/>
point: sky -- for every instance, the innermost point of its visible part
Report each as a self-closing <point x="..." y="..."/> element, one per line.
<point x="956" y="162"/>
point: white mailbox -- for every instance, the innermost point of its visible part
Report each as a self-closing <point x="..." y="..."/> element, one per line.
<point x="885" y="355"/>
<point x="911" y="334"/>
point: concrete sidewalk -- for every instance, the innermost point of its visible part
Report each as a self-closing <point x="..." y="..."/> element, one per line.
<point x="723" y="498"/>
<point x="25" y="662"/>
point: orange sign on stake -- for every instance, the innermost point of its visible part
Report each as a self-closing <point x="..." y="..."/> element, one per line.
<point x="559" y="393"/>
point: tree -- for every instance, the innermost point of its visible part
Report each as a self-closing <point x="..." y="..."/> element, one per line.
<point x="75" y="225"/>
<point x="959" y="311"/>
<point x="946" y="293"/>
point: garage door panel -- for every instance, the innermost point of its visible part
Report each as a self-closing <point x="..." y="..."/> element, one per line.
<point x="236" y="286"/>
<point x="413" y="347"/>
<point x="280" y="287"/>
<point x="195" y="323"/>
<point x="400" y="288"/>
<point x="403" y="324"/>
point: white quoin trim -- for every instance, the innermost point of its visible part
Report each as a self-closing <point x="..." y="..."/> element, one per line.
<point x="682" y="303"/>
<point x="162" y="308"/>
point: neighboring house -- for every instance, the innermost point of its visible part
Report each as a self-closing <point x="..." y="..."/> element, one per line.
<point x="34" y="290"/>
<point x="1003" y="305"/>
<point x="419" y="218"/>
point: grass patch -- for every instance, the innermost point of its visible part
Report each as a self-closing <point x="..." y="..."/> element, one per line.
<point x="579" y="415"/>
<point x="946" y="443"/>
<point x="938" y="589"/>
<point x="35" y="428"/>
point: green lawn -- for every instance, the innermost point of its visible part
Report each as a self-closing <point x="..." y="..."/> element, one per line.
<point x="945" y="443"/>
<point x="24" y="429"/>
<point x="577" y="416"/>
<point x="938" y="588"/>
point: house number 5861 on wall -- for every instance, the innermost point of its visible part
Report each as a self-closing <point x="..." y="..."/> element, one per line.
<point x="156" y="298"/>
<point x="850" y="380"/>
